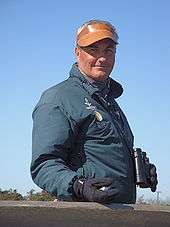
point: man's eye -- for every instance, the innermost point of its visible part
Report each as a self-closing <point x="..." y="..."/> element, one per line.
<point x="109" y="51"/>
<point x="92" y="48"/>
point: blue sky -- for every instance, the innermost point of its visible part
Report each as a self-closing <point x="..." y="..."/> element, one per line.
<point x="37" y="41"/>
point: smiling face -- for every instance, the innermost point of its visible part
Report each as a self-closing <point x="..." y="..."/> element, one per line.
<point x="97" y="60"/>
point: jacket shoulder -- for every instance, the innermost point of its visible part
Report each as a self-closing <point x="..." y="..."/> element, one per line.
<point x="66" y="91"/>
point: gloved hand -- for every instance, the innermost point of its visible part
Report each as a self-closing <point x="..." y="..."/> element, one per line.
<point x="89" y="190"/>
<point x="153" y="178"/>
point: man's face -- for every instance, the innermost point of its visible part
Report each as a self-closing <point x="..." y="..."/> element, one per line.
<point x="97" y="60"/>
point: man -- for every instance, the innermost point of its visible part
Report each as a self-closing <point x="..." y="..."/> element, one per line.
<point x="82" y="143"/>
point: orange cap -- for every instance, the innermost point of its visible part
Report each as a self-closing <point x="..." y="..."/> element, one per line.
<point x="95" y="31"/>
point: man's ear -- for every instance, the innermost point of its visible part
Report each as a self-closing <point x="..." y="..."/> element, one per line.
<point x="77" y="52"/>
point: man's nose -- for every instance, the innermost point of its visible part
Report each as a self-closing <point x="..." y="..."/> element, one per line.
<point x="101" y="58"/>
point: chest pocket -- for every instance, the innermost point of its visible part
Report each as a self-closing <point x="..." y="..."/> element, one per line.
<point x="100" y="129"/>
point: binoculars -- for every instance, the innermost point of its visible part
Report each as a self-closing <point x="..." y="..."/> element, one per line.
<point x="142" y="170"/>
<point x="142" y="167"/>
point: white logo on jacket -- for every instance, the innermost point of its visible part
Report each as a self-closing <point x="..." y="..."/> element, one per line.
<point x="89" y="106"/>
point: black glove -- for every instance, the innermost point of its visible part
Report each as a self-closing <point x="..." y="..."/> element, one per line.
<point x="153" y="178"/>
<point x="89" y="190"/>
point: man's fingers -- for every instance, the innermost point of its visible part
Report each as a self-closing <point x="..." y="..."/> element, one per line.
<point x="98" y="183"/>
<point x="104" y="196"/>
<point x="152" y="179"/>
<point x="153" y="188"/>
<point x="152" y="170"/>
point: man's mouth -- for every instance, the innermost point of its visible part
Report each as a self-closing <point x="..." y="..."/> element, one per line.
<point x="100" y="66"/>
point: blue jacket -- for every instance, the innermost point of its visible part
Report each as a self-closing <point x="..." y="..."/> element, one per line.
<point x="80" y="131"/>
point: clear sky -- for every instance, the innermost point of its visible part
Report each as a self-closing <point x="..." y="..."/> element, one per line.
<point x="37" y="41"/>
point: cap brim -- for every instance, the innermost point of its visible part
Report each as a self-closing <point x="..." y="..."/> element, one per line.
<point x="93" y="37"/>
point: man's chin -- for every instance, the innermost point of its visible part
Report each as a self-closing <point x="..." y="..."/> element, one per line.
<point x="100" y="75"/>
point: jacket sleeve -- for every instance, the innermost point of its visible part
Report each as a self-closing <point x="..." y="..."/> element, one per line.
<point x="52" y="140"/>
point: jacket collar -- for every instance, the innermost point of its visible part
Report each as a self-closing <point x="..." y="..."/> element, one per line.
<point x="103" y="88"/>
